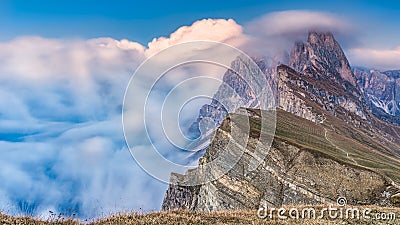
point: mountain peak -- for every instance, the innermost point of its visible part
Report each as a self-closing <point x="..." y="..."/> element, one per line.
<point x="321" y="38"/>
<point x="321" y="56"/>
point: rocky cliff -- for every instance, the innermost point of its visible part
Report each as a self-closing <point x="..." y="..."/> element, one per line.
<point x="320" y="82"/>
<point x="307" y="164"/>
<point x="327" y="140"/>
<point x="325" y="76"/>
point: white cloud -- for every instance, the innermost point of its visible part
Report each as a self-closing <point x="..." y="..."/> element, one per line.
<point x="294" y="23"/>
<point x="220" y="30"/>
<point x="41" y="58"/>
<point x="384" y="59"/>
<point x="275" y="33"/>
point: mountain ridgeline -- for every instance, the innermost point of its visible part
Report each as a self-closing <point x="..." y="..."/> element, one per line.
<point x="336" y="128"/>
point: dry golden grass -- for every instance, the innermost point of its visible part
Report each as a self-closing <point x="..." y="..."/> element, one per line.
<point x="215" y="218"/>
<point x="4" y="219"/>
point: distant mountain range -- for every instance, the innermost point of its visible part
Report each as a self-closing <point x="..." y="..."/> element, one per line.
<point x="337" y="134"/>
<point x="382" y="90"/>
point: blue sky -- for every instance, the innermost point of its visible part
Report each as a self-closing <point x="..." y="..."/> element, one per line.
<point x="64" y="67"/>
<point x="144" y="20"/>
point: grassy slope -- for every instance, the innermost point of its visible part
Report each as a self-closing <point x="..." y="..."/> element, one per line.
<point x="326" y="138"/>
<point x="334" y="139"/>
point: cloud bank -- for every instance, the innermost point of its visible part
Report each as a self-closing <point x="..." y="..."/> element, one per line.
<point x="296" y="23"/>
<point x="220" y="30"/>
<point x="275" y="33"/>
<point x="61" y="139"/>
<point x="385" y="59"/>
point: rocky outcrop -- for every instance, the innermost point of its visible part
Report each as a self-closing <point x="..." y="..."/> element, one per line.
<point x="289" y="175"/>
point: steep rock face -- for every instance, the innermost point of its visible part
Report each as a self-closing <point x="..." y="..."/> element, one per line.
<point x="322" y="57"/>
<point x="300" y="95"/>
<point x="289" y="175"/>
<point x="325" y="76"/>
<point x="292" y="101"/>
<point x="319" y="82"/>
<point x="240" y="87"/>
<point x="382" y="89"/>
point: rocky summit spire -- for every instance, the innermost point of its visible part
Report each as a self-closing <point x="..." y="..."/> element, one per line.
<point x="322" y="56"/>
